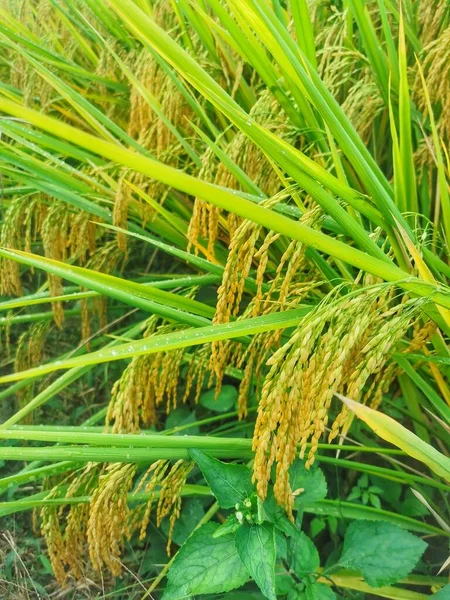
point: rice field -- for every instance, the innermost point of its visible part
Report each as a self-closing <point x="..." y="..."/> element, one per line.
<point x="224" y="299"/>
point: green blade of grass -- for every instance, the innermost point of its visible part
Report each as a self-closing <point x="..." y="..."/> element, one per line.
<point x="393" y="432"/>
<point x="305" y="33"/>
<point x="405" y="133"/>
<point x="230" y="201"/>
<point x="434" y="398"/>
<point x="349" y="510"/>
<point x="171" y="341"/>
<point x="293" y="161"/>
<point x="152" y="299"/>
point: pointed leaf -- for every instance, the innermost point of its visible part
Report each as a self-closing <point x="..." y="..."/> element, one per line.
<point x="303" y="556"/>
<point x="205" y="565"/>
<point x="383" y="553"/>
<point x="319" y="591"/>
<point x="256" y="547"/>
<point x="311" y="481"/>
<point x="391" y="431"/>
<point x="230" y="483"/>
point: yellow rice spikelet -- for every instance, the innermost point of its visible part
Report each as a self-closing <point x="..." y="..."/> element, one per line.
<point x="56" y="546"/>
<point x="387" y="328"/>
<point x="197" y="373"/>
<point x="436" y="69"/>
<point x="66" y="234"/>
<point x="132" y="398"/>
<point x="204" y="223"/>
<point x="29" y="354"/>
<point x="286" y="286"/>
<point x="54" y="239"/>
<point x="206" y="219"/>
<point x="22" y="220"/>
<point x="120" y="211"/>
<point x="108" y="517"/>
<point x="385" y="377"/>
<point x="431" y="16"/>
<point x="168" y="480"/>
<point x="65" y="532"/>
<point x="336" y="348"/>
<point x="146" y="383"/>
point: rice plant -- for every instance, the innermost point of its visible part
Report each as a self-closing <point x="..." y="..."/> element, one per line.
<point x="224" y="277"/>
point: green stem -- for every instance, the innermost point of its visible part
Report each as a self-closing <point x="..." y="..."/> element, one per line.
<point x="399" y="476"/>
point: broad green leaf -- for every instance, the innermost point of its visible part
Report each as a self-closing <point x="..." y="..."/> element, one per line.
<point x="316" y="526"/>
<point x="231" y="484"/>
<point x="182" y="417"/>
<point x="255" y="545"/>
<point x="303" y="555"/>
<point x="277" y="515"/>
<point x="281" y="542"/>
<point x="224" y="402"/>
<point x="241" y="596"/>
<point x="205" y="565"/>
<point x="395" y="433"/>
<point x="312" y="481"/>
<point x="383" y="553"/>
<point x="319" y="591"/>
<point x="284" y="583"/>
